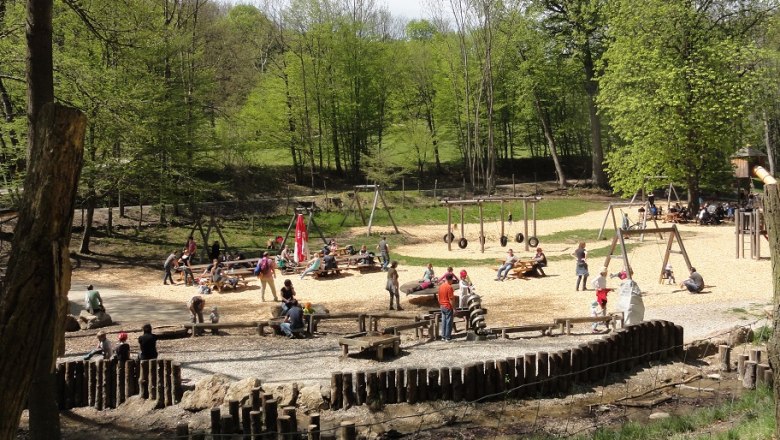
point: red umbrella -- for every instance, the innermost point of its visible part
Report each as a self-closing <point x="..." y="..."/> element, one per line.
<point x="301" y="240"/>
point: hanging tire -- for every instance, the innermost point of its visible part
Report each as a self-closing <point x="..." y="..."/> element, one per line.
<point x="504" y="240"/>
<point x="533" y="241"/>
<point x="449" y="237"/>
<point x="463" y="243"/>
<point x="482" y="240"/>
<point x="519" y="237"/>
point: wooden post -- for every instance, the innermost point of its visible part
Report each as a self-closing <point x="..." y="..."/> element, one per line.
<point x="177" y="389"/>
<point x="313" y="432"/>
<point x="510" y="383"/>
<point x="542" y="372"/>
<point x="724" y="354"/>
<point x="152" y="379"/>
<point x="400" y="382"/>
<point x="93" y="384"/>
<point x="519" y="383"/>
<point x="61" y="385"/>
<point x="233" y="410"/>
<point x="289" y="411"/>
<point x="391" y="387"/>
<point x="679" y="342"/>
<point x="348" y="431"/>
<point x="529" y="374"/>
<point x="456" y="378"/>
<point x="256" y="422"/>
<point x="422" y="385"/>
<point x="749" y="378"/>
<point x="99" y="395"/>
<point x="336" y="381"/>
<point x="70" y="368"/>
<point x="227" y="428"/>
<point x="348" y="394"/>
<point x="411" y="385"/>
<point x="489" y="385"/>
<point x="270" y="411"/>
<point x="131" y="379"/>
<point x="382" y="386"/>
<point x="554" y="367"/>
<point x="182" y="431"/>
<point x="755" y="355"/>
<point x="246" y="420"/>
<point x="760" y="370"/>
<point x="769" y="378"/>
<point x="564" y="362"/>
<point x="360" y="388"/>
<point x="445" y="385"/>
<point x="470" y="379"/>
<point x="121" y="378"/>
<point x="160" y="383"/>
<point x="434" y="391"/>
<point x="741" y="359"/>
<point x="372" y="388"/>
<point x="255" y="399"/>
<point x="216" y="427"/>
<point x="143" y="379"/>
<point x="168" y="378"/>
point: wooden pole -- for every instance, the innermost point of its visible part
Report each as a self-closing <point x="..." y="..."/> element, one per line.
<point x="445" y="386"/>
<point x="246" y="420"/>
<point x="177" y="389"/>
<point x="422" y="385"/>
<point x="449" y="227"/>
<point x="741" y="359"/>
<point x="411" y="385"/>
<point x="227" y="427"/>
<point x="470" y="382"/>
<point x="392" y="387"/>
<point x="160" y="383"/>
<point x="233" y="410"/>
<point x="270" y="411"/>
<point x="216" y="426"/>
<point x="481" y="230"/>
<point x="724" y="354"/>
<point x="749" y="378"/>
<point x="348" y="394"/>
<point x="360" y="388"/>
<point x="256" y="424"/>
<point x="525" y="224"/>
<point x="348" y="431"/>
<point x="336" y="380"/>
<point x="400" y="382"/>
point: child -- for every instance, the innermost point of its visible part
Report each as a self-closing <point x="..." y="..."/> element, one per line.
<point x="122" y="350"/>
<point x="308" y="310"/>
<point x="214" y="316"/>
<point x="600" y="286"/>
<point x="598" y="310"/>
<point x="466" y="289"/>
<point x="669" y="274"/>
<point x="203" y="289"/>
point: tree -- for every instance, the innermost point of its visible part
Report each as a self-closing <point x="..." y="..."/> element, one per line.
<point x="33" y="301"/>
<point x="677" y="82"/>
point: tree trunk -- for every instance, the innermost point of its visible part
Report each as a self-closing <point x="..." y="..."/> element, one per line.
<point x="768" y="141"/>
<point x="548" y="135"/>
<point x="598" y="177"/>
<point x="87" y="235"/>
<point x="34" y="302"/>
<point x="772" y="218"/>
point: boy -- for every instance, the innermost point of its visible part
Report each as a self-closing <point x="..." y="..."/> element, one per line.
<point x="214" y="317"/>
<point x="669" y="274"/>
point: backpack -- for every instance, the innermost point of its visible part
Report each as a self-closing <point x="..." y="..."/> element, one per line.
<point x="263" y="266"/>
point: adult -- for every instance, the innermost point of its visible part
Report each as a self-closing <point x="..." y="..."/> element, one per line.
<point x="288" y="296"/>
<point x="196" y="306"/>
<point x="185" y="266"/>
<point x="392" y="285"/>
<point x="540" y="262"/>
<point x="446" y="300"/>
<point x="92" y="301"/>
<point x="292" y="321"/>
<point x="329" y="262"/>
<point x="215" y="272"/>
<point x="122" y="350"/>
<point x="103" y="347"/>
<point x="168" y="266"/>
<point x="147" y="343"/>
<point x="314" y="264"/>
<point x="509" y="263"/>
<point x="266" y="273"/>
<point x="582" y="265"/>
<point x="694" y="283"/>
<point x="214" y="251"/>
<point x="384" y="252"/>
<point x="286" y="256"/>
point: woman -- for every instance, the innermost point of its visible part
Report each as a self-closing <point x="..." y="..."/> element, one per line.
<point x="540" y="262"/>
<point x="288" y="296"/>
<point x="392" y="285"/>
<point x="582" y="266"/>
<point x="314" y="264"/>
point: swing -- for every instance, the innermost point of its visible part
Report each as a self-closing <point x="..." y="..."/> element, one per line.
<point x="462" y="243"/>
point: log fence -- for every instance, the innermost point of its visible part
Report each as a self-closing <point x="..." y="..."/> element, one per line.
<point x="104" y="384"/>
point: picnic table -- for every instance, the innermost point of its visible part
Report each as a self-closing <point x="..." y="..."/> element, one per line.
<point x="520" y="268"/>
<point x="371" y="341"/>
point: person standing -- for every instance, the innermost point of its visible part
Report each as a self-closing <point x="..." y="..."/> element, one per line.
<point x="214" y="251"/>
<point x="384" y="252"/>
<point x="392" y="285"/>
<point x="192" y="246"/>
<point x="582" y="266"/>
<point x="169" y="265"/>
<point x="147" y="343"/>
<point x="446" y="300"/>
<point x="694" y="283"/>
<point x="92" y="301"/>
<point x="266" y="273"/>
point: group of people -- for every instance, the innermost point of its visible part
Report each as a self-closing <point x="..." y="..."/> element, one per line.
<point x="147" y="346"/>
<point x="537" y="269"/>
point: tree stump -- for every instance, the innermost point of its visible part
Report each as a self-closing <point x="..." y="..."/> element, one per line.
<point x="749" y="378"/>
<point x="724" y="356"/>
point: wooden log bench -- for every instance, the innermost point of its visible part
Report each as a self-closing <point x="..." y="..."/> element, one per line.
<point x="275" y="325"/>
<point x="518" y="271"/>
<point x="322" y="273"/>
<point x="611" y="319"/>
<point x="218" y="326"/>
<point x="370" y="341"/>
<point x="546" y="329"/>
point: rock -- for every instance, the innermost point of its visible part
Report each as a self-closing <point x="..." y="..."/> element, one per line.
<point x="209" y="392"/>
<point x="713" y="376"/>
<point x="71" y="323"/>
<point x="287" y="394"/>
<point x="703" y="348"/>
<point x="311" y="397"/>
<point x="740" y="335"/>
<point x="659" y="415"/>
<point x="98" y="320"/>
<point x="241" y="390"/>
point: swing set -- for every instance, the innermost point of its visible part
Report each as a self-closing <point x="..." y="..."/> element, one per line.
<point x="356" y="208"/>
<point x="644" y="205"/>
<point x="520" y="237"/>
<point x="621" y="235"/>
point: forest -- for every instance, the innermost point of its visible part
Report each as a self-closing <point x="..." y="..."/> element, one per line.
<point x="193" y="100"/>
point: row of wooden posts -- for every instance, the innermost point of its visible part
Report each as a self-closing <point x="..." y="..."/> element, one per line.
<point x="527" y="375"/>
<point x="750" y="368"/>
<point x="108" y="383"/>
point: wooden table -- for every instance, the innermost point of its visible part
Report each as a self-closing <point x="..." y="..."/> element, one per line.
<point x="371" y="340"/>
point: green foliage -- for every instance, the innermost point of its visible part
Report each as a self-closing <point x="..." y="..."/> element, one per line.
<point x="762" y="334"/>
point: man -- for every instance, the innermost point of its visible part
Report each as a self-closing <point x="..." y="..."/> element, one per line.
<point x="196" y="306"/>
<point x="169" y="266"/>
<point x="384" y="252"/>
<point x="103" y="347"/>
<point x="446" y="300"/>
<point x="392" y="285"/>
<point x="92" y="301"/>
<point x="293" y="320"/>
<point x="694" y="283"/>
<point x="148" y="343"/>
<point x="266" y="273"/>
<point x="509" y="263"/>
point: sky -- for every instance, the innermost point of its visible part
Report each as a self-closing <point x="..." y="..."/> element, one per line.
<point x="411" y="9"/>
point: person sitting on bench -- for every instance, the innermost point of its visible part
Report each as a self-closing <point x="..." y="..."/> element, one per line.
<point x="509" y="263"/>
<point x="288" y="296"/>
<point x="329" y="262"/>
<point x="314" y="265"/>
<point x="694" y="283"/>
<point x="103" y="347"/>
<point x="293" y="321"/>
<point x="540" y="262"/>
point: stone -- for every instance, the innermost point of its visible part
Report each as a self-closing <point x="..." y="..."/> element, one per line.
<point x="209" y="392"/>
<point x="71" y="323"/>
<point x="241" y="390"/>
<point x="713" y="376"/>
<point x="740" y="335"/>
<point x="89" y="321"/>
<point x="659" y="415"/>
<point x="287" y="394"/>
<point x="311" y="397"/>
<point x="703" y="348"/>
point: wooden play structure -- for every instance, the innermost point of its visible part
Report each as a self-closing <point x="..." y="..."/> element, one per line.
<point x="621" y="235"/>
<point x="212" y="224"/>
<point x="520" y="237"/>
<point x="308" y="209"/>
<point x="750" y="225"/>
<point x="355" y="206"/>
<point x="641" y="201"/>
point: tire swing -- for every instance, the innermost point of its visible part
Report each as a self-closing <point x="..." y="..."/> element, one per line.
<point x="504" y="240"/>
<point x="449" y="237"/>
<point x="519" y="237"/>
<point x="533" y="241"/>
<point x="462" y="243"/>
